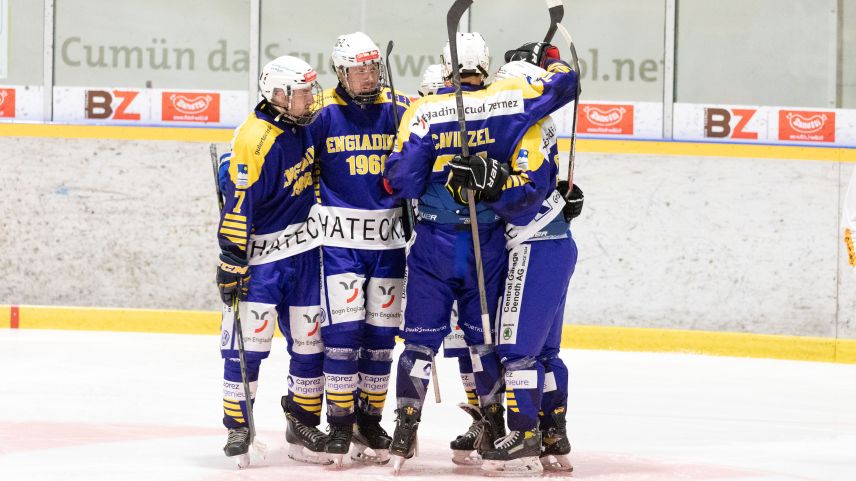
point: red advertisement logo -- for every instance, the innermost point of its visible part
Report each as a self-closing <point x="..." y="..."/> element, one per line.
<point x="7" y="102"/>
<point x="190" y="107"/>
<point x="606" y="119"/>
<point x="806" y="126"/>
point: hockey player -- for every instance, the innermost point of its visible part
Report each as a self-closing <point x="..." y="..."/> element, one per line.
<point x="542" y="255"/>
<point x="432" y="80"/>
<point x="454" y="346"/>
<point x="440" y="263"/>
<point x="363" y="253"/>
<point x="269" y="256"/>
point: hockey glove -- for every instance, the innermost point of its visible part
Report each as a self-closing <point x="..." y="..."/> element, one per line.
<point x="481" y="174"/>
<point x="536" y="53"/>
<point x="233" y="277"/>
<point x="574" y="201"/>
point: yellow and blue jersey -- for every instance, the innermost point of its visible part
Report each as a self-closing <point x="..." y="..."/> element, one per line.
<point x="269" y="185"/>
<point x="497" y="117"/>
<point x="534" y="168"/>
<point x="352" y="143"/>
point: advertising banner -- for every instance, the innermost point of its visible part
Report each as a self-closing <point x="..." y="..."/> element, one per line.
<point x="766" y="125"/>
<point x="174" y="107"/>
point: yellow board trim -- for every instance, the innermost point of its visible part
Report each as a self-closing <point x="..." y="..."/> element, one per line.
<point x="709" y="149"/>
<point x="58" y="131"/>
<point x="703" y="149"/>
<point x="574" y="336"/>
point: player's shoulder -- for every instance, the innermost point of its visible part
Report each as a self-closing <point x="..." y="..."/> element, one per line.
<point x="332" y="98"/>
<point x="385" y="97"/>
<point x="255" y="138"/>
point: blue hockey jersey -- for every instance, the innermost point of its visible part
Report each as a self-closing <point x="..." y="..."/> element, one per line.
<point x="352" y="143"/>
<point x="497" y="118"/>
<point x="268" y="193"/>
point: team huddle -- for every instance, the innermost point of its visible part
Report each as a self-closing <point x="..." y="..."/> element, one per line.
<point x="345" y="228"/>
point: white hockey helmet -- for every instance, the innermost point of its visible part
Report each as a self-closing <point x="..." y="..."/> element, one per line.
<point x="473" y="55"/>
<point x="432" y="80"/>
<point x="519" y="69"/>
<point x="358" y="51"/>
<point x="290" y="85"/>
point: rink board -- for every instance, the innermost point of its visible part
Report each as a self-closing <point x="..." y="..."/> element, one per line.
<point x="578" y="337"/>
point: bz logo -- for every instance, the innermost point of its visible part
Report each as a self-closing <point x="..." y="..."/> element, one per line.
<point x="99" y="105"/>
<point x="717" y="123"/>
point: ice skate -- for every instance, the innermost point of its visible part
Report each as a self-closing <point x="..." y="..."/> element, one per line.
<point x="305" y="443"/>
<point x="493" y="422"/>
<point x="555" y="445"/>
<point x="238" y="446"/>
<point x="370" y="444"/>
<point x="338" y="443"/>
<point x="464" y="446"/>
<point x="516" y="454"/>
<point x="404" y="443"/>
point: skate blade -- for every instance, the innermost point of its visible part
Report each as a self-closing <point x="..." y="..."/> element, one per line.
<point x="303" y="454"/>
<point x="556" y="462"/>
<point x="397" y="463"/>
<point x="528" y="466"/>
<point x="366" y="455"/>
<point x="338" y="460"/>
<point x="466" y="458"/>
<point x="242" y="461"/>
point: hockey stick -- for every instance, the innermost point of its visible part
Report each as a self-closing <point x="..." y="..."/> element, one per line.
<point x="452" y="19"/>
<point x="557" y="11"/>
<point x="573" y="154"/>
<point x="407" y="218"/>
<point x="258" y="446"/>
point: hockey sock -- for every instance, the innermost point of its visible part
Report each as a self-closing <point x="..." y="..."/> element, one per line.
<point x="555" y="389"/>
<point x="465" y="366"/>
<point x="374" y="365"/>
<point x="524" y="378"/>
<point x="234" y="404"/>
<point x="487" y="372"/>
<point x="414" y="373"/>
<point x="340" y="383"/>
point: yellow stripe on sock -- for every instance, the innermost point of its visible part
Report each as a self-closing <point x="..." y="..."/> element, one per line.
<point x="512" y="402"/>
<point x="340" y="397"/>
<point x="473" y="402"/>
<point x="304" y="398"/>
<point x="234" y="414"/>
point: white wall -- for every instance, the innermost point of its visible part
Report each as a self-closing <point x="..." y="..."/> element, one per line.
<point x="742" y="245"/>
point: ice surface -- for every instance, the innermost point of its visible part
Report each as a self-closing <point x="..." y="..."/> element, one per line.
<point x="142" y="407"/>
